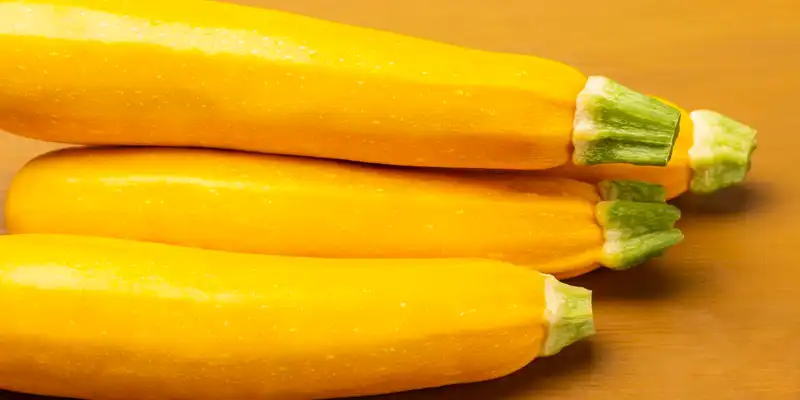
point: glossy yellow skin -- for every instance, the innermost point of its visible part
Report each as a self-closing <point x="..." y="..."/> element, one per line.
<point x="259" y="203"/>
<point x="147" y="72"/>
<point x="112" y="319"/>
<point x="676" y="176"/>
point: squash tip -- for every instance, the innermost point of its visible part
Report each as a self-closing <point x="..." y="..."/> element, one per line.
<point x="569" y="315"/>
<point x="722" y="151"/>
<point x="637" y="223"/>
<point x="614" y="124"/>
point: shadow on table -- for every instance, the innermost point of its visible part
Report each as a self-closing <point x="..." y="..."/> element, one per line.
<point x="658" y="279"/>
<point x="739" y="199"/>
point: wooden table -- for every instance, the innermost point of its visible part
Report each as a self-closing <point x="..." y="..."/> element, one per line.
<point x="719" y="316"/>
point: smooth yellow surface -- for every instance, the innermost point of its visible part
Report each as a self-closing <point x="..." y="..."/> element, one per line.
<point x="106" y="318"/>
<point x="224" y="76"/>
<point x="296" y="206"/>
<point x="715" y="318"/>
<point x="675" y="176"/>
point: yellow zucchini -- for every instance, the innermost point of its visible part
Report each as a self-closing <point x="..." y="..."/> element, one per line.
<point x="146" y="72"/>
<point x="712" y="152"/>
<point x="258" y="203"/>
<point x="100" y="318"/>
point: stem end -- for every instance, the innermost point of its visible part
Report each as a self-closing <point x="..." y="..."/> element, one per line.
<point x="722" y="151"/>
<point x="620" y="255"/>
<point x="569" y="313"/>
<point x="637" y="224"/>
<point x="614" y="124"/>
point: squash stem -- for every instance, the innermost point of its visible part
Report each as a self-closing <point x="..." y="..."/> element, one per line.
<point x="633" y="191"/>
<point x="614" y="124"/>
<point x="636" y="225"/>
<point x="721" y="153"/>
<point x="569" y="315"/>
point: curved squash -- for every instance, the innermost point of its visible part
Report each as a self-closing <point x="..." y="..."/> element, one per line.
<point x="132" y="72"/>
<point x="153" y="321"/>
<point x="258" y="203"/>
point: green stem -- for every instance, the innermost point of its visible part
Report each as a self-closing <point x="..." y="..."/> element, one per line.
<point x="626" y="253"/>
<point x="721" y="153"/>
<point x="614" y="124"/>
<point x="633" y="191"/>
<point x="569" y="315"/>
<point x="638" y="228"/>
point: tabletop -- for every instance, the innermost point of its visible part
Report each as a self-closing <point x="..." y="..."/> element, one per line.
<point x="719" y="315"/>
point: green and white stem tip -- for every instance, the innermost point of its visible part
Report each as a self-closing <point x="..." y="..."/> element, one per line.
<point x="569" y="315"/>
<point x="637" y="224"/>
<point x="614" y="124"/>
<point x="721" y="153"/>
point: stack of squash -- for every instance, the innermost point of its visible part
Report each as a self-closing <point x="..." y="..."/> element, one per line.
<point x="264" y="205"/>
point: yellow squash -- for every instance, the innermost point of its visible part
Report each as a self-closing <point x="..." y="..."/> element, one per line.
<point x="712" y="152"/>
<point x="258" y="203"/>
<point x="100" y="318"/>
<point x="212" y="74"/>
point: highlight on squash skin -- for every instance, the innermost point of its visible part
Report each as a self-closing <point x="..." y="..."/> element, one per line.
<point x="257" y="203"/>
<point x="103" y="72"/>
<point x="164" y="321"/>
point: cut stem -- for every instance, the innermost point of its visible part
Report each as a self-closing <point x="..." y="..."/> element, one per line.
<point x="569" y="314"/>
<point x="614" y="124"/>
<point x="636" y="225"/>
<point x="721" y="153"/>
<point x="630" y="252"/>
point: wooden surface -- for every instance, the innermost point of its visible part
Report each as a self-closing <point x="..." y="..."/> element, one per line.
<point x="719" y="316"/>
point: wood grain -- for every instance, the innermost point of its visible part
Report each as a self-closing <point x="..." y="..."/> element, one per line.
<point x="717" y="317"/>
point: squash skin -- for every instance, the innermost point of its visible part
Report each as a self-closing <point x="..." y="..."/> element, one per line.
<point x="113" y="319"/>
<point x="227" y="76"/>
<point x="269" y="204"/>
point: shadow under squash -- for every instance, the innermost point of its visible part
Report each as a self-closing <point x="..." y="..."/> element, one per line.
<point x="738" y="199"/>
<point x="4" y="395"/>
<point x="658" y="279"/>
